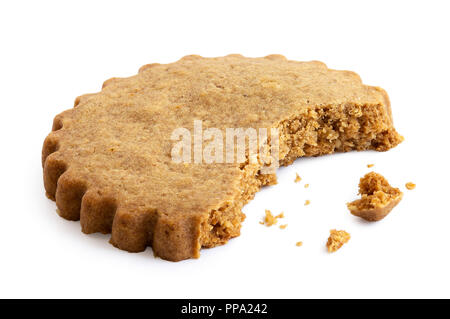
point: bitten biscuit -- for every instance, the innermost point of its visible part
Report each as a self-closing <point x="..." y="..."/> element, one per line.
<point x="108" y="161"/>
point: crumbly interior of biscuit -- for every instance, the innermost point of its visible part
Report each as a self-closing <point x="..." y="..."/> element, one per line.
<point x="324" y="130"/>
<point x="375" y="192"/>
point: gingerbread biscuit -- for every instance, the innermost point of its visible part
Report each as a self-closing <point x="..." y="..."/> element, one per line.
<point x="108" y="161"/>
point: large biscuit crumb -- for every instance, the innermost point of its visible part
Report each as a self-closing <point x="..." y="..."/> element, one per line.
<point x="337" y="239"/>
<point x="378" y="198"/>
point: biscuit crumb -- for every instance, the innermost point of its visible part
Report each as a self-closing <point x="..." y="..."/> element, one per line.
<point x="410" y="185"/>
<point x="377" y="200"/>
<point x="283" y="226"/>
<point x="370" y="165"/>
<point x="337" y="239"/>
<point x="280" y="215"/>
<point x="271" y="220"/>
<point x="297" y="178"/>
<point x="307" y="202"/>
<point x="299" y="243"/>
<point x="306" y="185"/>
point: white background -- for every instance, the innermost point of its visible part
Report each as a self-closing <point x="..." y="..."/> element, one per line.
<point x="53" y="51"/>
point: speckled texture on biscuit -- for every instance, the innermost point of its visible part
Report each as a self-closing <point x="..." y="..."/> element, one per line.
<point x="107" y="161"/>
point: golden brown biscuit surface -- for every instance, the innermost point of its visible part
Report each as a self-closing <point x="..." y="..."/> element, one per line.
<point x="108" y="160"/>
